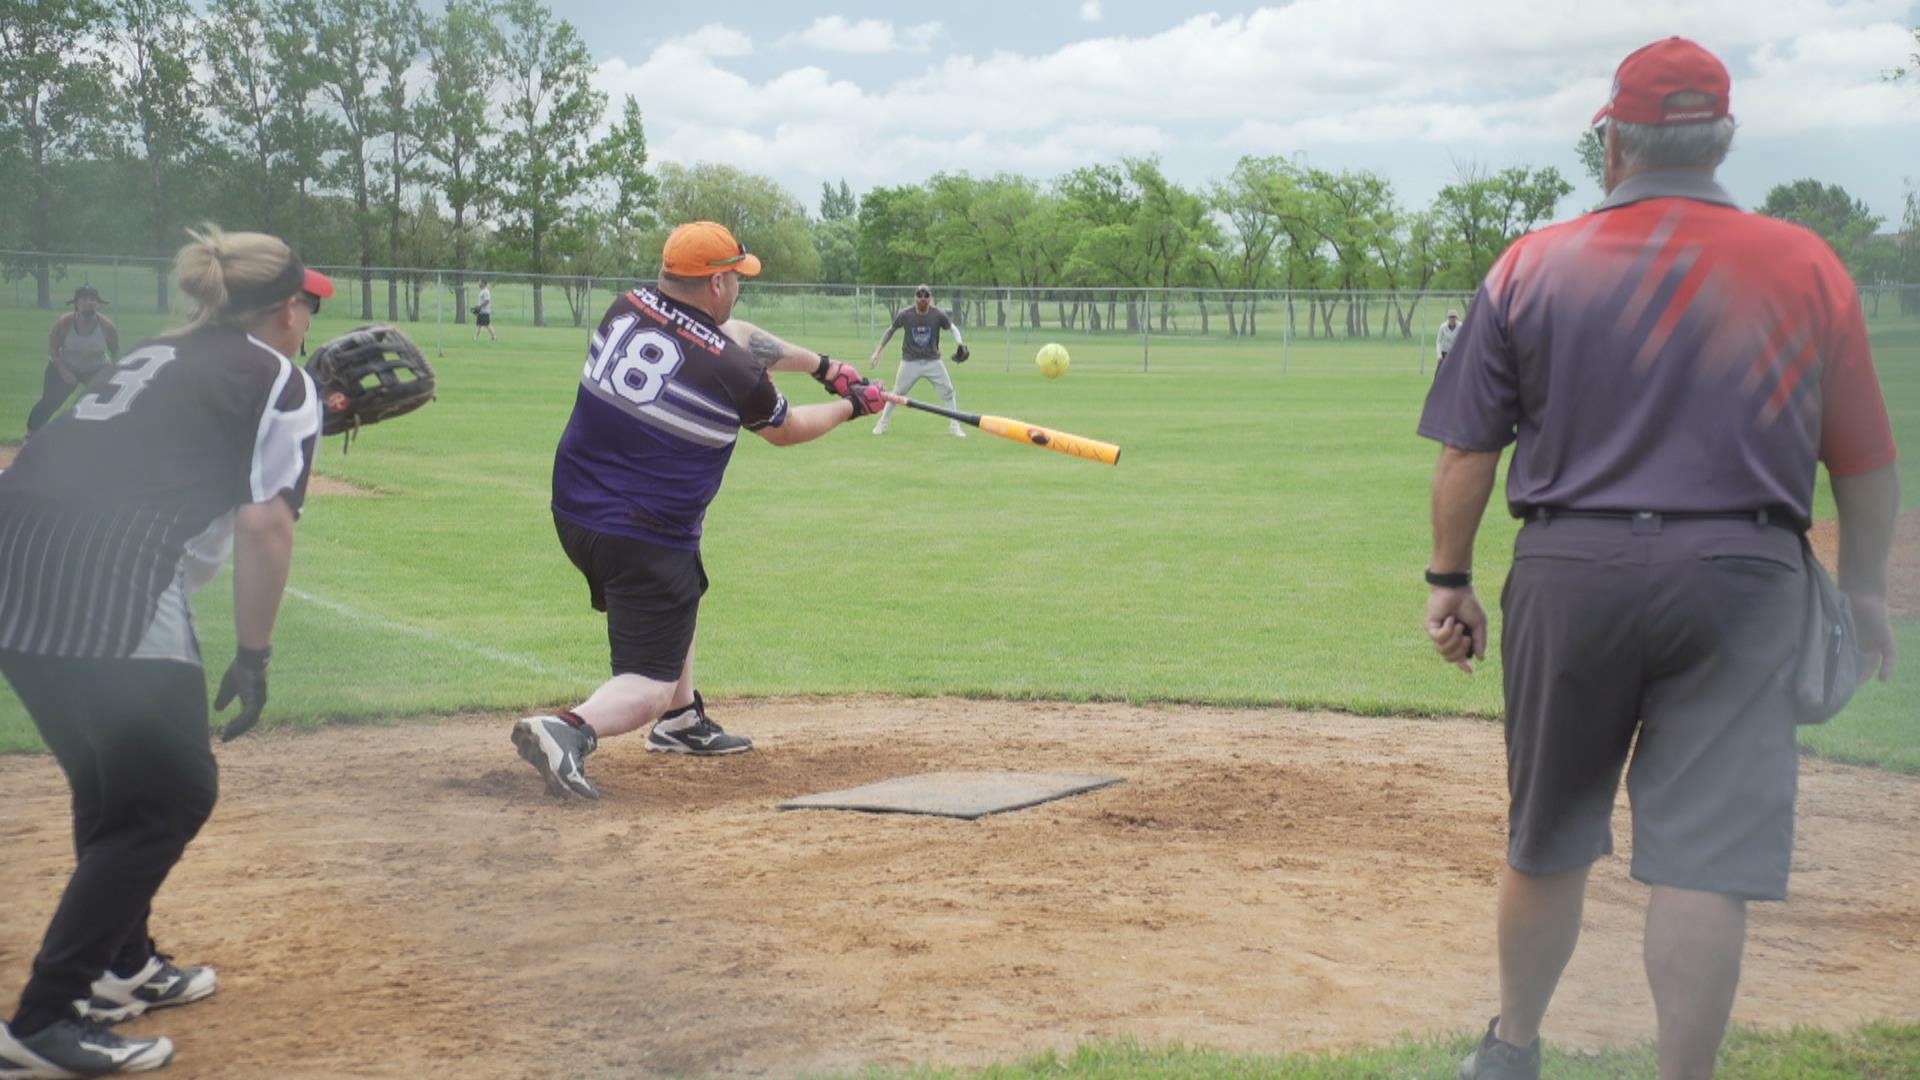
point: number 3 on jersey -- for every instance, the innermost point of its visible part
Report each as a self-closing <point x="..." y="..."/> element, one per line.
<point x="635" y="365"/>
<point x="130" y="376"/>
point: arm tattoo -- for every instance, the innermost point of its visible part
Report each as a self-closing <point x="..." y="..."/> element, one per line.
<point x="765" y="347"/>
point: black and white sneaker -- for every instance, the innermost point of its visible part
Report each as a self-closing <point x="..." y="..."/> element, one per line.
<point x="688" y="730"/>
<point x="557" y="749"/>
<point x="72" y="1048"/>
<point x="158" y="985"/>
<point x="1495" y="1060"/>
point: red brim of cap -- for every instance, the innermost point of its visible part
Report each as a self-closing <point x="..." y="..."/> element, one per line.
<point x="1601" y="114"/>
<point x="318" y="284"/>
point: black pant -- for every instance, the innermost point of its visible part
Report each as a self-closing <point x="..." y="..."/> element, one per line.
<point x="54" y="391"/>
<point x="132" y="738"/>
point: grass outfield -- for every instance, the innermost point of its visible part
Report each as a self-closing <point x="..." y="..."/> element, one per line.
<point x="1882" y="1051"/>
<point x="1260" y="544"/>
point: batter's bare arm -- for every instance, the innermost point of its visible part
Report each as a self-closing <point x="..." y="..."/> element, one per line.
<point x="777" y="353"/>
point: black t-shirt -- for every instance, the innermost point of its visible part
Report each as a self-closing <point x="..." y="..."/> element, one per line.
<point x="131" y="492"/>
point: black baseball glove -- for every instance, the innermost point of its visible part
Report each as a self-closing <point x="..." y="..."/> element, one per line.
<point x="368" y="375"/>
<point x="960" y="354"/>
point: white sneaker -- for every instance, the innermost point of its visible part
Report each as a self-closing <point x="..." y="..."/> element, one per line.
<point x="158" y="985"/>
<point x="879" y="429"/>
<point x="957" y="433"/>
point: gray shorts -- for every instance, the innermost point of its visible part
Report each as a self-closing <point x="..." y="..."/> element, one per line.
<point x="1660" y="648"/>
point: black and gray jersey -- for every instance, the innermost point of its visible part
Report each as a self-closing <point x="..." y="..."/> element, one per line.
<point x="121" y="507"/>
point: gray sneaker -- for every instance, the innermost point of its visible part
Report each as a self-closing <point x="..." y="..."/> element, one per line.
<point x="158" y="985"/>
<point x="1495" y="1060"/>
<point x="557" y="749"/>
<point x="79" y="1048"/>
<point x="688" y="730"/>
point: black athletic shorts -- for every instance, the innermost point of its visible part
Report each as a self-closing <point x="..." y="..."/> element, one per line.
<point x="651" y="594"/>
<point x="1662" y="650"/>
<point x="483" y="318"/>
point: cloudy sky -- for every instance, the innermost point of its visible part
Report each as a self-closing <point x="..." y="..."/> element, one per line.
<point x="887" y="94"/>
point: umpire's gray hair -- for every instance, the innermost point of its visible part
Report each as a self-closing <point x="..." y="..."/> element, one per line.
<point x="1674" y="146"/>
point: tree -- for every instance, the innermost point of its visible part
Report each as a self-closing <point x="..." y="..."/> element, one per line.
<point x="1843" y="221"/>
<point x="347" y="39"/>
<point x="400" y="30"/>
<point x="837" y="242"/>
<point x="53" y="84"/>
<point x="156" y="44"/>
<point x="837" y="204"/>
<point x="1913" y="61"/>
<point x="893" y="245"/>
<point x="758" y="211"/>
<point x="464" y="56"/>
<point x="620" y="159"/>
<point x="552" y="108"/>
<point x="1486" y="213"/>
<point x="301" y="133"/>
<point x="1593" y="156"/>
<point x="245" y="92"/>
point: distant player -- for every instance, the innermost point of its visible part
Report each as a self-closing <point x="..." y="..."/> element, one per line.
<point x="82" y="342"/>
<point x="669" y="382"/>
<point x="483" y="313"/>
<point x="1443" y="341"/>
<point x="920" y="354"/>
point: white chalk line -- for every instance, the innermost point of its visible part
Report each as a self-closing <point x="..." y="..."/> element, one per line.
<point x="454" y="643"/>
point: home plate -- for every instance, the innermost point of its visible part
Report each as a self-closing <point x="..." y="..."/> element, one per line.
<point x="966" y="795"/>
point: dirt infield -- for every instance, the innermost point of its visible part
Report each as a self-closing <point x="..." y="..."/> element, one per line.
<point x="391" y="901"/>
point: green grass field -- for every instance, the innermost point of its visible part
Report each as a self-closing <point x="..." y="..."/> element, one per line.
<point x="1260" y="544"/>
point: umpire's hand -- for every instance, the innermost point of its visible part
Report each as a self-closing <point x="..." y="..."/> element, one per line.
<point x="246" y="679"/>
<point x="1457" y="626"/>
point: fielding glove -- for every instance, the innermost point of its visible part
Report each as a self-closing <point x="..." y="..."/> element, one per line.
<point x="960" y="354"/>
<point x="246" y="679"/>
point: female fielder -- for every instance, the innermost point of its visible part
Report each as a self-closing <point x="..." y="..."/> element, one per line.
<point x="197" y="441"/>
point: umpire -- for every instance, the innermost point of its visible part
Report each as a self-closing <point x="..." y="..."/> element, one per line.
<point x="114" y="513"/>
<point x="1669" y="369"/>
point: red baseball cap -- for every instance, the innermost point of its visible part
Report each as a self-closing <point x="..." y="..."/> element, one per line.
<point x="1675" y="81"/>
<point x="315" y="282"/>
<point x="706" y="248"/>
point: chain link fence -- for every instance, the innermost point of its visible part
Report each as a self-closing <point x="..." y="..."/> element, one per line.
<point x="1273" y="320"/>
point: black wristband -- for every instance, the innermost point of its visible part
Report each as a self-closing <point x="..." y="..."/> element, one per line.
<point x="820" y="369"/>
<point x="253" y="658"/>
<point x="1459" y="579"/>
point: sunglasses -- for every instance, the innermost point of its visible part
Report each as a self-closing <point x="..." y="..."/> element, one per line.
<point x="729" y="262"/>
<point x="312" y="302"/>
<point x="923" y="296"/>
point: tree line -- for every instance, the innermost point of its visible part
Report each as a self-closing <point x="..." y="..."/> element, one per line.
<point x="374" y="133"/>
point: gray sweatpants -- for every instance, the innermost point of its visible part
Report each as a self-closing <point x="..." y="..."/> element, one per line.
<point x="912" y="371"/>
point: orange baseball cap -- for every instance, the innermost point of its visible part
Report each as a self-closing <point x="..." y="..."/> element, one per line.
<point x="706" y="248"/>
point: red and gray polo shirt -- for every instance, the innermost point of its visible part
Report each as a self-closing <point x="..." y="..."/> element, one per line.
<point x="1667" y="352"/>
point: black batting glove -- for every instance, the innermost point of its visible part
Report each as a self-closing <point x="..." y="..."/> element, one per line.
<point x="246" y="679"/>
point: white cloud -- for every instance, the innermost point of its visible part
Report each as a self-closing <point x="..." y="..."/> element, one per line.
<point x="836" y="33"/>
<point x="1350" y="82"/>
<point x="714" y="39"/>
<point x="1090" y="11"/>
